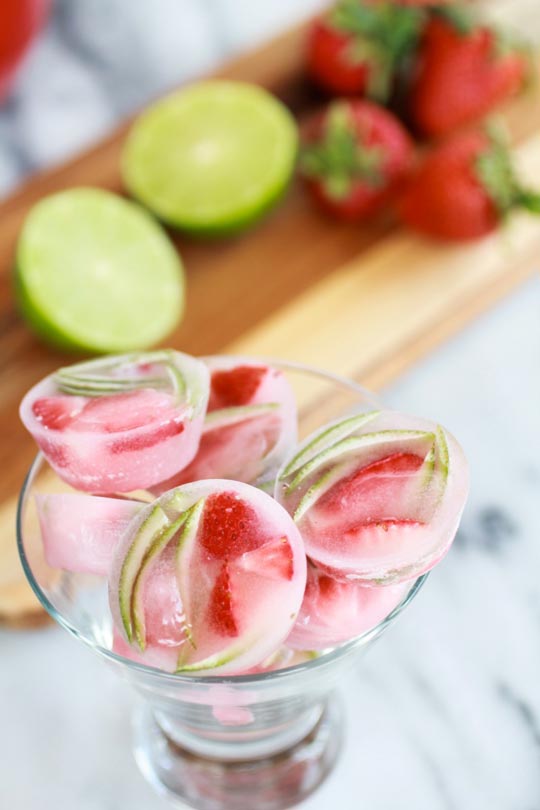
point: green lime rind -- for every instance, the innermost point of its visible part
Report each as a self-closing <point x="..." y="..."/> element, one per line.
<point x="322" y="485"/>
<point x="224" y="417"/>
<point x="187" y="378"/>
<point x="159" y="544"/>
<point x="442" y="462"/>
<point x="152" y="526"/>
<point x="355" y="444"/>
<point x="96" y="273"/>
<point x="184" y="552"/>
<point x="212" y="661"/>
<point x="328" y="437"/>
<point x="212" y="158"/>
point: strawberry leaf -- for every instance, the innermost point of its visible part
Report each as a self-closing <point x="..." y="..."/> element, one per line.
<point x="340" y="158"/>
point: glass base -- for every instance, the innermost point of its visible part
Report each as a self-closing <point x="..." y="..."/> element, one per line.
<point x="278" y="781"/>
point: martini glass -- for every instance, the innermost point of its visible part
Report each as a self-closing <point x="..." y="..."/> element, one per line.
<point x="217" y="743"/>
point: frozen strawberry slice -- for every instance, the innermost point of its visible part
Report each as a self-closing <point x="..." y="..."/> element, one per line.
<point x="241" y="451"/>
<point x="119" y="424"/>
<point x="124" y="412"/>
<point x="250" y="425"/>
<point x="333" y="612"/>
<point x="57" y="413"/>
<point x="234" y="609"/>
<point x="229" y="526"/>
<point x="235" y="386"/>
<point x="220" y="615"/>
<point x="274" y="560"/>
<point x="376" y="481"/>
<point x="377" y="497"/>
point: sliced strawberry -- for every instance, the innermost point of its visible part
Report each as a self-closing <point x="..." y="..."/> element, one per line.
<point x="57" y="413"/>
<point x="220" y="614"/>
<point x="144" y="440"/>
<point x="229" y="526"/>
<point x="122" y="412"/>
<point x="364" y="482"/>
<point x="273" y="560"/>
<point x="236" y="386"/>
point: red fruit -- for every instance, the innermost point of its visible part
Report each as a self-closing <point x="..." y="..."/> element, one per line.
<point x="229" y="526"/>
<point x="273" y="560"/>
<point x="356" y="48"/>
<point x="364" y="482"/>
<point x="234" y="387"/>
<point x="56" y="413"/>
<point x="220" y="615"/>
<point x="463" y="71"/>
<point x="355" y="155"/>
<point x="464" y="189"/>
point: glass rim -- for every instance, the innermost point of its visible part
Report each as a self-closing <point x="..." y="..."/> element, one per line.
<point x="314" y="664"/>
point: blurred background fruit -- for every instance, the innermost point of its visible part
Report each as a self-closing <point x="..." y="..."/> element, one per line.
<point x="20" y="21"/>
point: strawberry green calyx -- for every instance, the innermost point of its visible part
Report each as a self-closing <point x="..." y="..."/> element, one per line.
<point x="495" y="172"/>
<point x="160" y="543"/>
<point x="462" y="20"/>
<point x="338" y="160"/>
<point x="383" y="35"/>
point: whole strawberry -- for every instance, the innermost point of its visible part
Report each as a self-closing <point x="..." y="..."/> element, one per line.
<point x="464" y="189"/>
<point x="354" y="155"/>
<point x="463" y="71"/>
<point x="358" y="45"/>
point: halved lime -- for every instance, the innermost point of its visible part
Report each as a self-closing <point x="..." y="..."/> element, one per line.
<point x="97" y="273"/>
<point x="213" y="157"/>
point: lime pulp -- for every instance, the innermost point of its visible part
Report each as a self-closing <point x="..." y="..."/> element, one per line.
<point x="95" y="272"/>
<point x="212" y="157"/>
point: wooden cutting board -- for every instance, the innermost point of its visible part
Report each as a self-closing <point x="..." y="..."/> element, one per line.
<point x="365" y="301"/>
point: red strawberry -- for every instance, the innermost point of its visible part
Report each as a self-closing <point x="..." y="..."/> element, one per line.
<point x="274" y="560"/>
<point x="354" y="155"/>
<point x="220" y="615"/>
<point x="56" y="413"/>
<point x="464" y="189"/>
<point x="357" y="46"/>
<point x="236" y="386"/>
<point x="228" y="527"/>
<point x="384" y="474"/>
<point x="463" y="71"/>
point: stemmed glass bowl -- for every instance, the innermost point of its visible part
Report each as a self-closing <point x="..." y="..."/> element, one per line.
<point x="215" y="743"/>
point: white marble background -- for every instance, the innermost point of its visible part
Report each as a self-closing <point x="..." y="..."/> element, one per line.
<point x="444" y="714"/>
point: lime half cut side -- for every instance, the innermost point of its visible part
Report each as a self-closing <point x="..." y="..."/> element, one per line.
<point x="95" y="272"/>
<point x="212" y="157"/>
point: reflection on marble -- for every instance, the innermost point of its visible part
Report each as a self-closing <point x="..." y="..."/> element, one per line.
<point x="444" y="713"/>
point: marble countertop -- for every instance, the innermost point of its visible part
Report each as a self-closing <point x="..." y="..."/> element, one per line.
<point x="444" y="713"/>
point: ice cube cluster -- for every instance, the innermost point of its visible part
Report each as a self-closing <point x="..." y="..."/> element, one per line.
<point x="227" y="547"/>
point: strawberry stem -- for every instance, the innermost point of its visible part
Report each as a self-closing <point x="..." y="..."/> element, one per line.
<point x="496" y="173"/>
<point x="459" y="17"/>
<point x="338" y="159"/>
<point x="530" y="200"/>
<point x="383" y="35"/>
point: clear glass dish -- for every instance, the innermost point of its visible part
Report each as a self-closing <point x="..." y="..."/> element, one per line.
<point x="217" y="742"/>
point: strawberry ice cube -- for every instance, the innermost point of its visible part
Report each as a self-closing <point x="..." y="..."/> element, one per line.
<point x="81" y="532"/>
<point x="239" y="576"/>
<point x="334" y="612"/>
<point x="377" y="497"/>
<point x="122" y="423"/>
<point x="250" y="425"/>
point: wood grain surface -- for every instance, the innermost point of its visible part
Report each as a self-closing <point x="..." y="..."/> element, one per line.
<point x="363" y="301"/>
